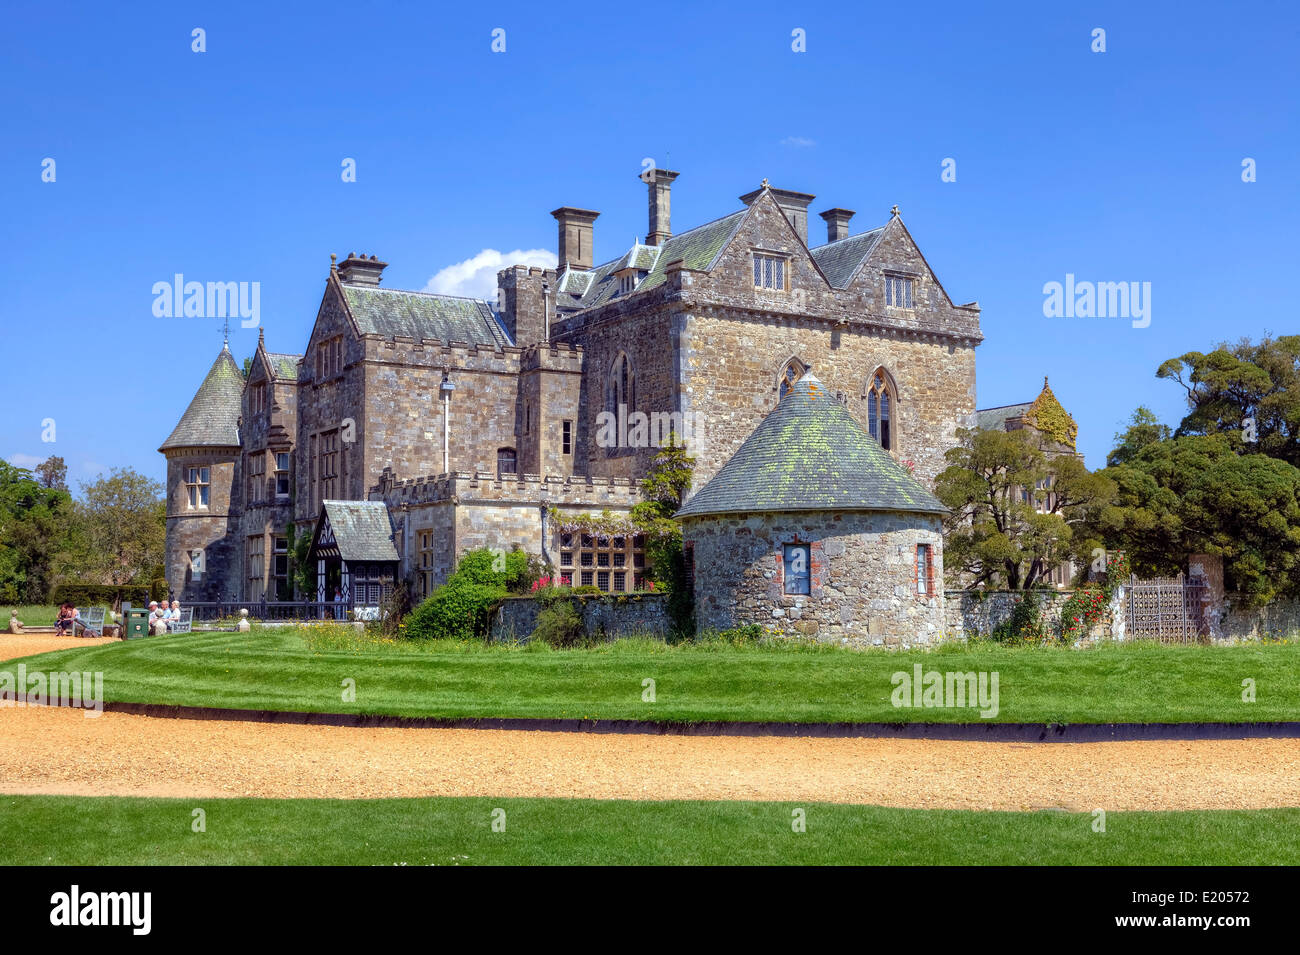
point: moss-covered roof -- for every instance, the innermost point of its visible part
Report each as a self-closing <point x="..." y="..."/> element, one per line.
<point x="840" y="260"/>
<point x="212" y="418"/>
<point x="361" y="530"/>
<point x="810" y="455"/>
<point x="423" y="315"/>
<point x="284" y="366"/>
<point x="1045" y="413"/>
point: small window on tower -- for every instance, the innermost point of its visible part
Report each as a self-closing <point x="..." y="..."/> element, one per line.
<point x="567" y="438"/>
<point x="797" y="563"/>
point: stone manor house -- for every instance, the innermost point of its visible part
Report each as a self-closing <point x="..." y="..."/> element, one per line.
<point x="414" y="427"/>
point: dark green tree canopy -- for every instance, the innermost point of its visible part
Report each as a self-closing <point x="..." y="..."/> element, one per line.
<point x="1244" y="391"/>
<point x="1016" y="512"/>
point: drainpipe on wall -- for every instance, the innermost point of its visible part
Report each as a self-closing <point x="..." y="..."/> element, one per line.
<point x="447" y="388"/>
<point x="546" y="556"/>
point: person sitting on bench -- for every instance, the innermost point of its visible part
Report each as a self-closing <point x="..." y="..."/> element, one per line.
<point x="66" y="622"/>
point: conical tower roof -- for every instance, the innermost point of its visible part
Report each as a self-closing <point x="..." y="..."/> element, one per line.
<point x="810" y="455"/>
<point x="212" y="419"/>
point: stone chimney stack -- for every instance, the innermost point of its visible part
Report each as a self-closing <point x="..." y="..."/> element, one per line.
<point x="576" y="231"/>
<point x="660" y="182"/>
<point x="359" y="270"/>
<point x="837" y="223"/>
<point x="793" y="204"/>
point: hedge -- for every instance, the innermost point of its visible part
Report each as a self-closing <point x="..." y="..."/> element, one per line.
<point x="94" y="595"/>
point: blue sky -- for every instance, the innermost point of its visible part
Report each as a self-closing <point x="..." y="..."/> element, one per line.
<point x="225" y="166"/>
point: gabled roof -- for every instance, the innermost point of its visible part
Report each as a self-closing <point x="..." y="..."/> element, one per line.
<point x="355" y="530"/>
<point x="995" y="419"/>
<point x="841" y="259"/>
<point x="810" y="455"/>
<point x="423" y="315"/>
<point x="212" y="418"/>
<point x="698" y="249"/>
<point x="283" y="367"/>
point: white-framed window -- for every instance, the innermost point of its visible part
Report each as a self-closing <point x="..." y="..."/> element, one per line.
<point x="769" y="271"/>
<point x="924" y="569"/>
<point x="626" y="283"/>
<point x="256" y="477"/>
<point x="198" y="482"/>
<point x="614" y="563"/>
<point x="282" y="474"/>
<point x="898" y="291"/>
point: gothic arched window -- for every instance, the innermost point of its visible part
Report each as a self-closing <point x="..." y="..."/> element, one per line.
<point x="794" y="370"/>
<point x="881" y="406"/>
<point x="620" y="387"/>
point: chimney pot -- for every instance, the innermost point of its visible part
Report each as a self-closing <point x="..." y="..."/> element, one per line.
<point x="837" y="223"/>
<point x="660" y="182"/>
<point x="576" y="234"/>
<point x="359" y="270"/>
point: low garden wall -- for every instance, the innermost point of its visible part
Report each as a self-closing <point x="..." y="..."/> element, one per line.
<point x="1275" y="620"/>
<point x="980" y="612"/>
<point x="615" y="615"/>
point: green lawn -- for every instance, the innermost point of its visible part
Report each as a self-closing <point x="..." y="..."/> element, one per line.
<point x="65" y="830"/>
<point x="33" y="615"/>
<point x="288" y="669"/>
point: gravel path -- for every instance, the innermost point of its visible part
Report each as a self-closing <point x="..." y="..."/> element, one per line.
<point x="48" y="750"/>
<point x="14" y="645"/>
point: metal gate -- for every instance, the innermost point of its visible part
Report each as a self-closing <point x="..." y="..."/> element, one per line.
<point x="1168" y="609"/>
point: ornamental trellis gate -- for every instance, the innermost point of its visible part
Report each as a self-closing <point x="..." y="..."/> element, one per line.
<point x="1168" y="609"/>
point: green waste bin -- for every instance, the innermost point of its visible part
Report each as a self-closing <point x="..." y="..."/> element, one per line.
<point x="135" y="623"/>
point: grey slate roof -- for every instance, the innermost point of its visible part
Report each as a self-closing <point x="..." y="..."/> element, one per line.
<point x="284" y="367"/>
<point x="810" y="455"/>
<point x="839" y="260"/>
<point x="362" y="530"/>
<point x="423" y="315"/>
<point x="212" y="418"/>
<point x="697" y="248"/>
<point x="995" y="419"/>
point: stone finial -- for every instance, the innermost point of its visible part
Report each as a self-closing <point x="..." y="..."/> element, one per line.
<point x="894" y="211"/>
<point x="763" y="184"/>
<point x="261" y="338"/>
<point x="244" y="625"/>
<point x="334" y="262"/>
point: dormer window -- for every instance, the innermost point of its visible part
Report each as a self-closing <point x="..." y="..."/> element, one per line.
<point x="898" y="291"/>
<point x="626" y="283"/>
<point x="769" y="271"/>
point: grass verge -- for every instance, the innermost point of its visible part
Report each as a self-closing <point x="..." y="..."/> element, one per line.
<point x="293" y="669"/>
<point x="66" y="830"/>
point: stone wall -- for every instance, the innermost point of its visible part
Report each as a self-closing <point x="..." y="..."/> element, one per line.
<point x="1281" y="618"/>
<point x="864" y="576"/>
<point x="610" y="617"/>
<point x="213" y="529"/>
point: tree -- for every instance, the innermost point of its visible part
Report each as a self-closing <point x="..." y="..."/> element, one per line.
<point x="1144" y="428"/>
<point x="1249" y="393"/>
<point x="1194" y="494"/>
<point x="53" y="473"/>
<point x="33" y="531"/>
<point x="996" y="536"/>
<point x="121" y="528"/>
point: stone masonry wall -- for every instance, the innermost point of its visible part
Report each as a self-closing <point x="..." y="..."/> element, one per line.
<point x="631" y="615"/>
<point x="864" y="576"/>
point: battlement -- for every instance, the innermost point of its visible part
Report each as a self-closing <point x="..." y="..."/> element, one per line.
<point x="553" y="356"/>
<point x="436" y="353"/>
<point x="470" y="487"/>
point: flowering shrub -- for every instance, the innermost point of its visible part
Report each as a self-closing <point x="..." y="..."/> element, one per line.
<point x="1088" y="604"/>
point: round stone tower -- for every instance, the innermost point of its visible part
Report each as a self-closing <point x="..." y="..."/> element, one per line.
<point x="812" y="529"/>
<point x="203" y="454"/>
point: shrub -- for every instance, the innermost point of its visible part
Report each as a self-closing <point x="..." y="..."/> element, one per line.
<point x="559" y="625"/>
<point x="1026" y="621"/>
<point x="106" y="595"/>
<point x="460" y="608"/>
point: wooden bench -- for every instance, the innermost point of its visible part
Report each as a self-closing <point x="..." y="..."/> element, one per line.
<point x="92" y="622"/>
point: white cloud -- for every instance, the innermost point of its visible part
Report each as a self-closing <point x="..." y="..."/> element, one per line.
<point x="24" y="460"/>
<point x="800" y="141"/>
<point x="477" y="277"/>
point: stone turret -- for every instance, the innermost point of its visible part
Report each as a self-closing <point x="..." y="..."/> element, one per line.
<point x="203" y="454"/>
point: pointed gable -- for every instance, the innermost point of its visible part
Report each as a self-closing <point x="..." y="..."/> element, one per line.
<point x="810" y="455"/>
<point x="212" y="418"/>
<point x="355" y="531"/>
<point x="765" y="227"/>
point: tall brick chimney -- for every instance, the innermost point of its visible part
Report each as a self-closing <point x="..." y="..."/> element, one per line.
<point x="661" y="182"/>
<point x="359" y="270"/>
<point x="793" y="204"/>
<point x="837" y="223"/>
<point x="576" y="230"/>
